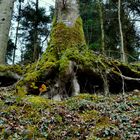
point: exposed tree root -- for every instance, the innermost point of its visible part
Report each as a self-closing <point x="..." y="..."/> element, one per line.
<point x="9" y="75"/>
<point x="7" y="88"/>
<point x="73" y="74"/>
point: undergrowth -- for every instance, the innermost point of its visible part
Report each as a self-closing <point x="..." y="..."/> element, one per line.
<point x="83" y="117"/>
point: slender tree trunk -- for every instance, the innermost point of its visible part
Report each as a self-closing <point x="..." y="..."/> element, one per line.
<point x="17" y="30"/>
<point x="121" y="33"/>
<point x="6" y="7"/>
<point x="36" y="42"/>
<point x="102" y="26"/>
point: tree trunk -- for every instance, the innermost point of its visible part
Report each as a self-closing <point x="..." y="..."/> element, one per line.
<point x="123" y="57"/>
<point x="102" y="26"/>
<point x="36" y="42"/>
<point x="67" y="34"/>
<point x="6" y="7"/>
<point x="17" y="30"/>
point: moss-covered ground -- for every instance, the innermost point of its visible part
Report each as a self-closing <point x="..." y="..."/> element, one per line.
<point x="83" y="117"/>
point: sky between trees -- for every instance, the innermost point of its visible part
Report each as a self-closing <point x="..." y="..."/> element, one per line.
<point x="42" y="3"/>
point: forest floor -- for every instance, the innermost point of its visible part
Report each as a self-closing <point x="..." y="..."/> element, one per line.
<point x="83" y="117"/>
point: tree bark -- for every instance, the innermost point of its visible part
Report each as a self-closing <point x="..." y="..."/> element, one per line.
<point x="123" y="57"/>
<point x="17" y="31"/>
<point x="6" y="7"/>
<point x="36" y="42"/>
<point x="102" y="26"/>
<point x="67" y="11"/>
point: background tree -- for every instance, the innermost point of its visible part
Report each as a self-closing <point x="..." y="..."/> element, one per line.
<point x="6" y="7"/>
<point x="32" y="33"/>
<point x="123" y="57"/>
<point x="10" y="48"/>
<point x="18" y="18"/>
<point x="36" y="51"/>
<point x="100" y="7"/>
<point x="89" y="11"/>
<point x="91" y="23"/>
<point x="128" y="27"/>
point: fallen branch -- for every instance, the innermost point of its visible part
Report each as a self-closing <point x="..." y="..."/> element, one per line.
<point x="130" y="78"/>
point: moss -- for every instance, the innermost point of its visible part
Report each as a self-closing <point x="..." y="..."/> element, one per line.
<point x="103" y="123"/>
<point x="64" y="64"/>
<point x="17" y="69"/>
<point x="94" y="98"/>
<point x="4" y="68"/>
<point x="82" y="102"/>
<point x="13" y="68"/>
<point x="48" y="65"/>
<point x="32" y="76"/>
<point x="63" y="37"/>
<point x="1" y="103"/>
<point x="88" y="116"/>
<point x="135" y="98"/>
<point x="58" y="118"/>
<point x="126" y="69"/>
<point x="12" y="108"/>
<point x="37" y="101"/>
<point x="33" y="85"/>
<point x="21" y="90"/>
<point x="86" y="59"/>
